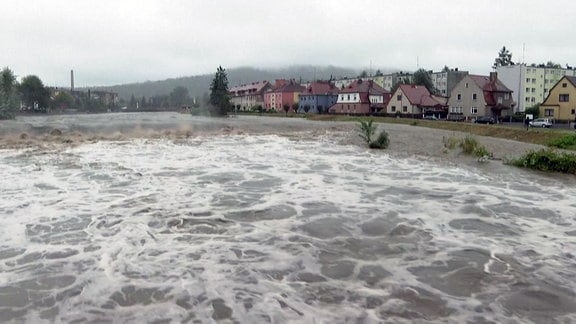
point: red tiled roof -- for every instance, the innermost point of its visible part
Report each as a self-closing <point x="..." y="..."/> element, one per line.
<point x="483" y="82"/>
<point x="420" y="96"/>
<point x="291" y="87"/>
<point x="364" y="86"/>
<point x="316" y="88"/>
<point x="288" y="87"/>
<point x="253" y="87"/>
<point x="489" y="87"/>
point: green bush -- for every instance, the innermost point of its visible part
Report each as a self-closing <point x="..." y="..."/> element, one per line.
<point x="567" y="141"/>
<point x="547" y="160"/>
<point x="468" y="145"/>
<point x="381" y="141"/>
<point x="471" y="146"/>
<point x="367" y="130"/>
<point x="481" y="151"/>
<point x="6" y="113"/>
<point x="534" y="110"/>
<point x="450" y="142"/>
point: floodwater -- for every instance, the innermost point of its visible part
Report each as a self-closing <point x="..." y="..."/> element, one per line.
<point x="252" y="227"/>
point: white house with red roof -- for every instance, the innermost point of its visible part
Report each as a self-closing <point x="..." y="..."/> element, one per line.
<point x="479" y="95"/>
<point x="416" y="101"/>
<point x="361" y="97"/>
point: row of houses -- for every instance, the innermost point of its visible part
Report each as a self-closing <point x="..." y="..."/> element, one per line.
<point x="472" y="96"/>
<point x="512" y="90"/>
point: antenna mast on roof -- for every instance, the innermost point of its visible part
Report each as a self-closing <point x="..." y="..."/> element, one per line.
<point x="370" y="75"/>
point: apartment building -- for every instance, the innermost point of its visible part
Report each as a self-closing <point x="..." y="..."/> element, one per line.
<point x="530" y="84"/>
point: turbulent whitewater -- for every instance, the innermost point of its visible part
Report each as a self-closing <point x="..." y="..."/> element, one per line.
<point x="259" y="228"/>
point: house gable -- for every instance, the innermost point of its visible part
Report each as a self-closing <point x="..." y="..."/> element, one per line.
<point x="479" y="95"/>
<point x="561" y="101"/>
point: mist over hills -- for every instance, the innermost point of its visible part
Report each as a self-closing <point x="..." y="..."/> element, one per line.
<point x="199" y="85"/>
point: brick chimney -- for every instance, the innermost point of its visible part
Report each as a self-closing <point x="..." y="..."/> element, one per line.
<point x="280" y="83"/>
<point x="493" y="77"/>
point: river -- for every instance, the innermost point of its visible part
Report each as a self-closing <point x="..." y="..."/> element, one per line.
<point x="255" y="227"/>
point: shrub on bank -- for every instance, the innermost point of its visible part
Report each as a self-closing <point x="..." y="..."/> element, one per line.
<point x="471" y="146"/>
<point x="381" y="141"/>
<point x="366" y="131"/>
<point x="567" y="141"/>
<point x="547" y="160"/>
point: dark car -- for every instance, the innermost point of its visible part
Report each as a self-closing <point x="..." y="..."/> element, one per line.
<point x="484" y="120"/>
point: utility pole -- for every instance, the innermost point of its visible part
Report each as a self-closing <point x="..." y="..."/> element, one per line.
<point x="523" y="51"/>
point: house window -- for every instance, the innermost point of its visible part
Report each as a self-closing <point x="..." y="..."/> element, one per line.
<point x="564" y="85"/>
<point x="405" y="108"/>
<point x="564" y="97"/>
<point x="399" y="97"/>
<point x="459" y="97"/>
<point x="348" y="97"/>
<point x="466" y="85"/>
<point x="506" y="96"/>
<point x="548" y="112"/>
<point x="533" y="89"/>
<point x="532" y="99"/>
<point x="527" y="99"/>
<point x="499" y="100"/>
<point x="527" y="89"/>
<point x="533" y="80"/>
<point x="393" y="108"/>
<point x="474" y="110"/>
<point x="527" y="80"/>
<point x="474" y="96"/>
<point x="354" y="97"/>
<point x="573" y="111"/>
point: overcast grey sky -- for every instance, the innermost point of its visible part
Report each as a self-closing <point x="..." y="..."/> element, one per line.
<point x="110" y="42"/>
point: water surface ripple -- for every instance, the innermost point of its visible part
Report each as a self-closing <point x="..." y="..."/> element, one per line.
<point x="264" y="228"/>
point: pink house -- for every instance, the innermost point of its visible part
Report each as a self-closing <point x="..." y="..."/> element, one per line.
<point x="284" y="93"/>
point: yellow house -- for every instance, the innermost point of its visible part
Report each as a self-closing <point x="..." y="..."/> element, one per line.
<point x="561" y="102"/>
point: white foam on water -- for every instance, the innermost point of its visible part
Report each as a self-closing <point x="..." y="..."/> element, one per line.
<point x="268" y="228"/>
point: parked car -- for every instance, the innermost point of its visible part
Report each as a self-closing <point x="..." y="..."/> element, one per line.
<point x="541" y="122"/>
<point x="484" y="120"/>
<point x="431" y="117"/>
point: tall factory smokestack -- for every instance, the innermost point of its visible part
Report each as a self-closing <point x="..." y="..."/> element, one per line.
<point x="71" y="80"/>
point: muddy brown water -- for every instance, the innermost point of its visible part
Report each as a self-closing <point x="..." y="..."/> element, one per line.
<point x="172" y="218"/>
